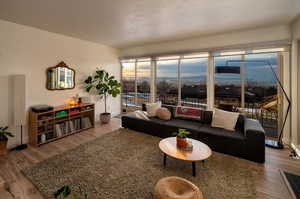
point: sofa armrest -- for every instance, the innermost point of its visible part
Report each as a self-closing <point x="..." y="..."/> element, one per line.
<point x="255" y="140"/>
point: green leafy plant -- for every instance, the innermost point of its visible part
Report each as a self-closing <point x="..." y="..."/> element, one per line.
<point x="4" y="134"/>
<point x="66" y="192"/>
<point x="182" y="133"/>
<point x="104" y="84"/>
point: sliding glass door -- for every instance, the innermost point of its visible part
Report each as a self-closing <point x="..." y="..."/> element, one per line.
<point x="232" y="81"/>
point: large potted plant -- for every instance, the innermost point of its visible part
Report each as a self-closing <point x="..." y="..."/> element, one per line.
<point x="181" y="136"/>
<point x="4" y="134"/>
<point x="104" y="85"/>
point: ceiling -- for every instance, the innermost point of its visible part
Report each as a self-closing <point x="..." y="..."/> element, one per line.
<point x="124" y="23"/>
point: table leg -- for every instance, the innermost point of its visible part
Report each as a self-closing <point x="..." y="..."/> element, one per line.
<point x="165" y="159"/>
<point x="194" y="168"/>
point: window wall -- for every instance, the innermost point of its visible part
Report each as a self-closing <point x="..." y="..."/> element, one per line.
<point x="193" y="76"/>
<point x="143" y="76"/>
<point x="227" y="82"/>
<point x="128" y="85"/>
<point x="261" y="90"/>
<point x="167" y="81"/>
<point x="235" y="81"/>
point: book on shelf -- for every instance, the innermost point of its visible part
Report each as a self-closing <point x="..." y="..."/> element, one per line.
<point x="86" y="123"/>
<point x="77" y="124"/>
<point x="71" y="126"/>
<point x="58" y="130"/>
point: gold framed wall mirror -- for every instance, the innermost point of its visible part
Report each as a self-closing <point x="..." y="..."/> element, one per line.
<point x="60" y="77"/>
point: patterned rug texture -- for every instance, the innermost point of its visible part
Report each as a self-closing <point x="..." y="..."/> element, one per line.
<point x="125" y="164"/>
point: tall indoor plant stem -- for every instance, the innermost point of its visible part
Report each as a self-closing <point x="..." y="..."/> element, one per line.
<point x="105" y="103"/>
<point x="104" y="84"/>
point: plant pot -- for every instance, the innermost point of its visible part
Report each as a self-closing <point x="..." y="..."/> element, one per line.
<point x="181" y="142"/>
<point x="3" y="148"/>
<point x="105" y="118"/>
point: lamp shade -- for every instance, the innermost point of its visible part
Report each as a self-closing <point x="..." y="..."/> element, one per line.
<point x="18" y="100"/>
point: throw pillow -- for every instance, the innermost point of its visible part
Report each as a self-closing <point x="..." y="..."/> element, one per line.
<point x="152" y="108"/>
<point x="163" y="114"/>
<point x="224" y="119"/>
<point x="141" y="115"/>
<point x="188" y="113"/>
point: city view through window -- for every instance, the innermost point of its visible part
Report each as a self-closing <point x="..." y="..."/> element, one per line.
<point x="243" y="83"/>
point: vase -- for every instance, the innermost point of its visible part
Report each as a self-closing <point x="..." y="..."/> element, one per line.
<point x="181" y="142"/>
<point x="105" y="118"/>
<point x="3" y="148"/>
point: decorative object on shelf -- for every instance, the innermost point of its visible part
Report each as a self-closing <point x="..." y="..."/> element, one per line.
<point x="104" y="84"/>
<point x="72" y="101"/>
<point x="181" y="136"/>
<point x="41" y="108"/>
<point x="60" y="77"/>
<point x="4" y="135"/>
<point x="79" y="100"/>
<point x="85" y="100"/>
<point x="277" y="144"/>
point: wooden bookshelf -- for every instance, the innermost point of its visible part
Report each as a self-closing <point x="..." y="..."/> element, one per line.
<point x="62" y="121"/>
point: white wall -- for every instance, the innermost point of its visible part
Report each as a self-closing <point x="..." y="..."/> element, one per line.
<point x="295" y="83"/>
<point x="268" y="34"/>
<point x="30" y="51"/>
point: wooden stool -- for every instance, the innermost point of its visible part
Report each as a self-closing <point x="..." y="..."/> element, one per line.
<point x="176" y="188"/>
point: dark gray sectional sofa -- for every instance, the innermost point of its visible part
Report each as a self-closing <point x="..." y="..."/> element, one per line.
<point x="247" y="141"/>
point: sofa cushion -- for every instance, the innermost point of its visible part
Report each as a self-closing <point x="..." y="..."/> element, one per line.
<point x="141" y="114"/>
<point x="207" y="117"/>
<point x="163" y="113"/>
<point x="205" y="128"/>
<point x="152" y="108"/>
<point x="224" y="119"/>
<point x="184" y="124"/>
<point x="191" y="113"/>
<point x="240" y="123"/>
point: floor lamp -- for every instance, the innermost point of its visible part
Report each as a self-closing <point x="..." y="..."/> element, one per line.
<point x="19" y="108"/>
<point x="278" y="144"/>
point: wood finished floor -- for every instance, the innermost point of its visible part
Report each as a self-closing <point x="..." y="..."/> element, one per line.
<point x="269" y="183"/>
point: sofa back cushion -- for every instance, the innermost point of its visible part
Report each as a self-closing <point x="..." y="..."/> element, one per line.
<point x="152" y="108"/>
<point x="163" y="113"/>
<point x="207" y="119"/>
<point x="183" y="112"/>
<point x="240" y="123"/>
<point x="224" y="119"/>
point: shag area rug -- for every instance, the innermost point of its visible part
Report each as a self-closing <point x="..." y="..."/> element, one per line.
<point x="125" y="164"/>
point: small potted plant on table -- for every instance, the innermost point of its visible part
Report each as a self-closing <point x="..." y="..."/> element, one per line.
<point x="104" y="84"/>
<point x="3" y="139"/>
<point x="181" y="136"/>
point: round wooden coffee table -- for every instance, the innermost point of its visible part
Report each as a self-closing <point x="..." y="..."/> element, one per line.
<point x="200" y="151"/>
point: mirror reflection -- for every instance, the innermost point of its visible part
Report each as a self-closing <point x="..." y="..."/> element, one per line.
<point x="60" y="77"/>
